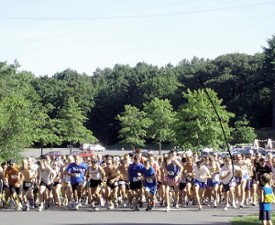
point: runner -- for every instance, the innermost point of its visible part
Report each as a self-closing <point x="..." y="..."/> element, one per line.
<point x="30" y="177"/>
<point x="112" y="176"/>
<point x="173" y="171"/>
<point x="201" y="174"/>
<point x="46" y="176"/>
<point x="134" y="172"/>
<point x="229" y="183"/>
<point x="95" y="174"/>
<point x="123" y="182"/>
<point x="150" y="184"/>
<point x="214" y="181"/>
<point x="14" y="180"/>
<point x="76" y="171"/>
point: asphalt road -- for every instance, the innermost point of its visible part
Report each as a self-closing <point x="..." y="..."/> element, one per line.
<point x="85" y="216"/>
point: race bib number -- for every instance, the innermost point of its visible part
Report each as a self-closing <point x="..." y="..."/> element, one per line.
<point x="171" y="173"/>
<point x="149" y="180"/>
<point x="28" y="184"/>
<point x="77" y="174"/>
<point x="14" y="177"/>
<point x="135" y="179"/>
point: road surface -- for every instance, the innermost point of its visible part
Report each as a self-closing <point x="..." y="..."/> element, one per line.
<point x="86" y="216"/>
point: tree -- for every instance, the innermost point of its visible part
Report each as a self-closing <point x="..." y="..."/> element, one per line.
<point x="269" y="72"/>
<point x="71" y="124"/>
<point x="133" y="126"/>
<point x="16" y="126"/>
<point x="197" y="125"/>
<point x="46" y="129"/>
<point x="162" y="117"/>
<point x="242" y="132"/>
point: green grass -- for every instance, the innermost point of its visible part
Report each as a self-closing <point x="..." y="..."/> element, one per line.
<point x="249" y="220"/>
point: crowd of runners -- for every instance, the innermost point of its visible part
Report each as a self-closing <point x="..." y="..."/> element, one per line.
<point x="174" y="180"/>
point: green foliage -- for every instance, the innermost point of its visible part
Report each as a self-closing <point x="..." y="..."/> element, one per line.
<point x="242" y="132"/>
<point x="71" y="124"/>
<point x="244" y="82"/>
<point x="16" y="125"/>
<point x="133" y="126"/>
<point x="197" y="125"/>
<point x="46" y="129"/>
<point x="162" y="117"/>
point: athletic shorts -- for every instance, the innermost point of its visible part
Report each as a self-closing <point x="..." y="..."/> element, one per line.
<point x="265" y="215"/>
<point x="48" y="186"/>
<point x="56" y="183"/>
<point x="189" y="180"/>
<point x="212" y="183"/>
<point x="202" y="185"/>
<point x="171" y="181"/>
<point x="79" y="184"/>
<point x="135" y="185"/>
<point x="95" y="183"/>
<point x="123" y="183"/>
<point x="226" y="187"/>
<point x="248" y="185"/>
<point x="112" y="185"/>
<point x="27" y="185"/>
<point x="17" y="190"/>
<point x="150" y="188"/>
<point x="238" y="180"/>
<point x="182" y="186"/>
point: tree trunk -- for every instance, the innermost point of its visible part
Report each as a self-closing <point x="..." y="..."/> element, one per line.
<point x="41" y="149"/>
<point x="159" y="148"/>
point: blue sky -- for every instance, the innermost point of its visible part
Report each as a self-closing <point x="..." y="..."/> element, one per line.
<point x="48" y="36"/>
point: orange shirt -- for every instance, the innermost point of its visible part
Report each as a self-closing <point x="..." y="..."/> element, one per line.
<point x="13" y="175"/>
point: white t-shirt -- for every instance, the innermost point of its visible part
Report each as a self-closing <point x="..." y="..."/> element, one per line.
<point x="200" y="173"/>
<point x="224" y="171"/>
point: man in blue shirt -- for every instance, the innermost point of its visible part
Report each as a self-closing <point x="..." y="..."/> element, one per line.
<point x="135" y="170"/>
<point x="76" y="171"/>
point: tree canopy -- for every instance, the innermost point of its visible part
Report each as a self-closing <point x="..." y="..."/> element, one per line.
<point x="51" y="109"/>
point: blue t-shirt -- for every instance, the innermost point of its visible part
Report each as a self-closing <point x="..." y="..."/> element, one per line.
<point x="78" y="171"/>
<point x="266" y="206"/>
<point x="148" y="174"/>
<point x="133" y="171"/>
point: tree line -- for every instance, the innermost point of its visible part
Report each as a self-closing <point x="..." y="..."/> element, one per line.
<point x="70" y="107"/>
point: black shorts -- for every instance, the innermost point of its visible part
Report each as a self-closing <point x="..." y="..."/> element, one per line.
<point x="265" y="215"/>
<point x="56" y="183"/>
<point x="79" y="184"/>
<point x="48" y="186"/>
<point x="135" y="185"/>
<point x="95" y="183"/>
<point x="182" y="186"/>
<point x="27" y="185"/>
<point x="112" y="185"/>
<point x="17" y="190"/>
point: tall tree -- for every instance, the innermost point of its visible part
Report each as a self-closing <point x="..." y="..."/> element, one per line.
<point x="133" y="126"/>
<point x="46" y="129"/>
<point x="162" y="117"/>
<point x="71" y="124"/>
<point x="197" y="125"/>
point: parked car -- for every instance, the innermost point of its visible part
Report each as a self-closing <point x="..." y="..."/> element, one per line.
<point x="97" y="148"/>
<point x="92" y="147"/>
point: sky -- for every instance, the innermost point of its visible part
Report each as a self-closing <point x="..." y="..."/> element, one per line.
<point x="49" y="36"/>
